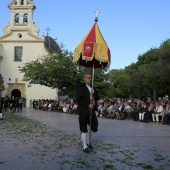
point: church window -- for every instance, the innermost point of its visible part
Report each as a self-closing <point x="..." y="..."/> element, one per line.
<point x="18" y="53"/>
<point x="17" y="19"/>
<point x="22" y="2"/>
<point x="20" y="35"/>
<point x="25" y="19"/>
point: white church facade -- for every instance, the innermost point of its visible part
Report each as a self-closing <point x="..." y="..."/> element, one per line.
<point x="19" y="44"/>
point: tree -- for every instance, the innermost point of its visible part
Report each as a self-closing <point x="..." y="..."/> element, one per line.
<point x="164" y="67"/>
<point x="53" y="70"/>
<point x="144" y="74"/>
<point x="119" y="80"/>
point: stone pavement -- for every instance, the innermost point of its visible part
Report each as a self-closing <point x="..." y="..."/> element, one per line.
<point x="119" y="144"/>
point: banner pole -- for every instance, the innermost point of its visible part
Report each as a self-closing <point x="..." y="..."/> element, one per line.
<point x="91" y="109"/>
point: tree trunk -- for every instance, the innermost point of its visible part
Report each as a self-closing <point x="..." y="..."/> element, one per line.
<point x="154" y="95"/>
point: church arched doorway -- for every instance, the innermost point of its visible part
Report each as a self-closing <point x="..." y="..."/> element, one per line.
<point x="16" y="93"/>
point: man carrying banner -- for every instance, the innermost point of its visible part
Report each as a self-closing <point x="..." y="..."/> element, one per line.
<point x="87" y="98"/>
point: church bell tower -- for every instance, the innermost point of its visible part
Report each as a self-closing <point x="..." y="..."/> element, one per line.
<point x="21" y="17"/>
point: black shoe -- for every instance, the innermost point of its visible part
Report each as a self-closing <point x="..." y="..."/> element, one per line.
<point x="165" y="123"/>
<point x="86" y="150"/>
<point x="1" y="118"/>
<point x="90" y="146"/>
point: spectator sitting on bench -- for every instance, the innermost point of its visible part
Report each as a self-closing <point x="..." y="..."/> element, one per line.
<point x="49" y="107"/>
<point x="137" y="106"/>
<point x="115" y="109"/>
<point x="74" y="109"/>
<point x="166" y="118"/>
<point x="128" y="109"/>
<point x="105" y="112"/>
<point x="165" y="111"/>
<point x="45" y="106"/>
<point x="157" y="112"/>
<point x="119" y="113"/>
<point x="109" y="110"/>
<point x="100" y="108"/>
<point x="149" y="112"/>
<point x="142" y="112"/>
<point x="165" y="100"/>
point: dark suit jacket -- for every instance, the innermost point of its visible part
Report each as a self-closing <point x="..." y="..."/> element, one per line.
<point x="82" y="97"/>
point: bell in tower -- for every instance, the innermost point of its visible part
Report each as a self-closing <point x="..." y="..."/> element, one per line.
<point x="25" y="19"/>
<point x="17" y="19"/>
<point x="22" y="2"/>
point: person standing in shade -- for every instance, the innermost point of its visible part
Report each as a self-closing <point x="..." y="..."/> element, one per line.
<point x="86" y="99"/>
<point x="6" y="103"/>
<point x="1" y="105"/>
<point x="20" y="104"/>
<point x="17" y="103"/>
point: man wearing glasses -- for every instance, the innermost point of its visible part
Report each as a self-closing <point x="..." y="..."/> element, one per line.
<point x="86" y="98"/>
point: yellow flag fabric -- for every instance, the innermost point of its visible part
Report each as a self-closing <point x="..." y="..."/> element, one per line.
<point x="100" y="49"/>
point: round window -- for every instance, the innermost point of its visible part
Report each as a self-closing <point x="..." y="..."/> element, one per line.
<point x="20" y="35"/>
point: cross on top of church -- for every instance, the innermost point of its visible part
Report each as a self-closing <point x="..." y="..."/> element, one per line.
<point x="48" y="29"/>
<point x="97" y="14"/>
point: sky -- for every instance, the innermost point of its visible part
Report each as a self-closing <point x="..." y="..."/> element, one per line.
<point x="129" y="27"/>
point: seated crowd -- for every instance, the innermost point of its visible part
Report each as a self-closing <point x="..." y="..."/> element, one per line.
<point x="135" y="109"/>
<point x="54" y="105"/>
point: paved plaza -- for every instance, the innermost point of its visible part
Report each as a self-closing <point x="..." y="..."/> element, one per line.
<point x="51" y="141"/>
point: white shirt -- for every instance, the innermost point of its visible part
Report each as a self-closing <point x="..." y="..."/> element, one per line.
<point x="90" y="89"/>
<point x="159" y="109"/>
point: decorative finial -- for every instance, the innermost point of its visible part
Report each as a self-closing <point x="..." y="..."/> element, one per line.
<point x="48" y="30"/>
<point x="96" y="15"/>
<point x="48" y="36"/>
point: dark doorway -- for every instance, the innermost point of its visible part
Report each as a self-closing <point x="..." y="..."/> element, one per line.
<point x="16" y="93"/>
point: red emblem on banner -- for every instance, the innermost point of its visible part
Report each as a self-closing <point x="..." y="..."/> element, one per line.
<point x="88" y="49"/>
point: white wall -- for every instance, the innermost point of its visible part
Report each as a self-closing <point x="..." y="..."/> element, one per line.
<point x="10" y="69"/>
